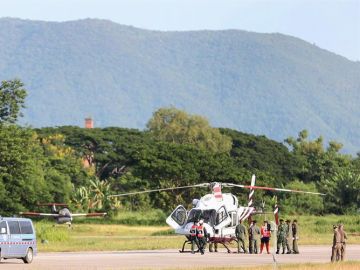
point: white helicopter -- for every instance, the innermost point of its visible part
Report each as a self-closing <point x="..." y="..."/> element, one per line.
<point x="220" y="212"/>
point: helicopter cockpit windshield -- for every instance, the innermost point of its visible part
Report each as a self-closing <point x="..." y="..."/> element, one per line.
<point x="207" y="215"/>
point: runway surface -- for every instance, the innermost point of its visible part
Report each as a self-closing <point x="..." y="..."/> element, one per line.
<point x="167" y="259"/>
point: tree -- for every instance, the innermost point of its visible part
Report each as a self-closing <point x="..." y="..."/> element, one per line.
<point x="301" y="203"/>
<point x="316" y="162"/>
<point x="22" y="179"/>
<point x="62" y="167"/>
<point x="12" y="99"/>
<point x="176" y="126"/>
<point x="343" y="191"/>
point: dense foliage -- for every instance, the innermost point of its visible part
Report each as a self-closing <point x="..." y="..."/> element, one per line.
<point x="269" y="84"/>
<point x="84" y="166"/>
<point x="177" y="126"/>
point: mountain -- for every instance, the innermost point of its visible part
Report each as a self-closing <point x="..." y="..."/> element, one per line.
<point x="269" y="84"/>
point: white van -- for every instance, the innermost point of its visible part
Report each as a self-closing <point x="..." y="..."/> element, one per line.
<point x="17" y="239"/>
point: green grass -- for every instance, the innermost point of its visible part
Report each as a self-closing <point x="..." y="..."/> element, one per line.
<point x="145" y="218"/>
<point x="97" y="237"/>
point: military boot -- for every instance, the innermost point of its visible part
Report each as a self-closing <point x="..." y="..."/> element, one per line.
<point x="277" y="252"/>
<point x="283" y="251"/>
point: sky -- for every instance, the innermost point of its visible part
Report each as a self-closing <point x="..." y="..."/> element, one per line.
<point x="333" y="25"/>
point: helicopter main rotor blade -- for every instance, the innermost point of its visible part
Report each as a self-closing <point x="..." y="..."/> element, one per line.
<point x="158" y="190"/>
<point x="273" y="189"/>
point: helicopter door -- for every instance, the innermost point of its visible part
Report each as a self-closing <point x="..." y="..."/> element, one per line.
<point x="177" y="218"/>
<point x="222" y="218"/>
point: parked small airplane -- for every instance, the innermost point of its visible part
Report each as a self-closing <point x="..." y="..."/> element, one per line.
<point x="220" y="212"/>
<point x="62" y="215"/>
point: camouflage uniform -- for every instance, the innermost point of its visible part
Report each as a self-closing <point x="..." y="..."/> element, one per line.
<point x="240" y="233"/>
<point x="281" y="237"/>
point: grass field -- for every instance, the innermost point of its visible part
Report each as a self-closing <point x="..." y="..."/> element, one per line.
<point x="109" y="237"/>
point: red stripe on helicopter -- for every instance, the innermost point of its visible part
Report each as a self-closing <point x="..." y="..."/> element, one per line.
<point x="217" y="192"/>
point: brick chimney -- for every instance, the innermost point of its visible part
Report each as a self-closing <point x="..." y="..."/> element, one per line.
<point x="89" y="122"/>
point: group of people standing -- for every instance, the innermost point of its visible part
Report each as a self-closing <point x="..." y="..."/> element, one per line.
<point x="287" y="234"/>
<point x="287" y="238"/>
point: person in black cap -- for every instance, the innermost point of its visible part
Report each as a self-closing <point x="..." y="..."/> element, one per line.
<point x="281" y="236"/>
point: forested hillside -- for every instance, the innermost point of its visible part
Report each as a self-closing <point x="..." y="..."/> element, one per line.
<point x="85" y="166"/>
<point x="268" y="84"/>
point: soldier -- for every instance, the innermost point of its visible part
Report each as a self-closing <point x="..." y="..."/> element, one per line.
<point x="193" y="237"/>
<point x="254" y="236"/>
<point x="240" y="233"/>
<point x="336" y="247"/>
<point x="288" y="237"/>
<point x="295" y="236"/>
<point x="343" y="238"/>
<point x="250" y="235"/>
<point x="281" y="236"/>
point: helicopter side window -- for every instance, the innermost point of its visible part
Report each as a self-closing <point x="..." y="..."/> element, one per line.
<point x="179" y="216"/>
<point x="221" y="215"/>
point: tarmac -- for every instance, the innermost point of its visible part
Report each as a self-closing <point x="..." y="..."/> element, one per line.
<point x="172" y="259"/>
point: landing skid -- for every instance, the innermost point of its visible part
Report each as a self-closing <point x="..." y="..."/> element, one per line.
<point x="224" y="242"/>
<point x="187" y="251"/>
<point x="225" y="246"/>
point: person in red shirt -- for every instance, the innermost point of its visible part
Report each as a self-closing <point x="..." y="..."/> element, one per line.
<point x="265" y="237"/>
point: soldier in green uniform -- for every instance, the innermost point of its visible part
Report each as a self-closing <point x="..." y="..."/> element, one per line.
<point x="254" y="236"/>
<point x="240" y="232"/>
<point x="288" y="237"/>
<point x="295" y="236"/>
<point x="281" y="236"/>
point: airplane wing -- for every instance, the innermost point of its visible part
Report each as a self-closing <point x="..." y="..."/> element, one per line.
<point x="35" y="214"/>
<point x="88" y="215"/>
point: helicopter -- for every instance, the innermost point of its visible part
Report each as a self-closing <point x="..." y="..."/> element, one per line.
<point x="220" y="212"/>
<point x="61" y="216"/>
